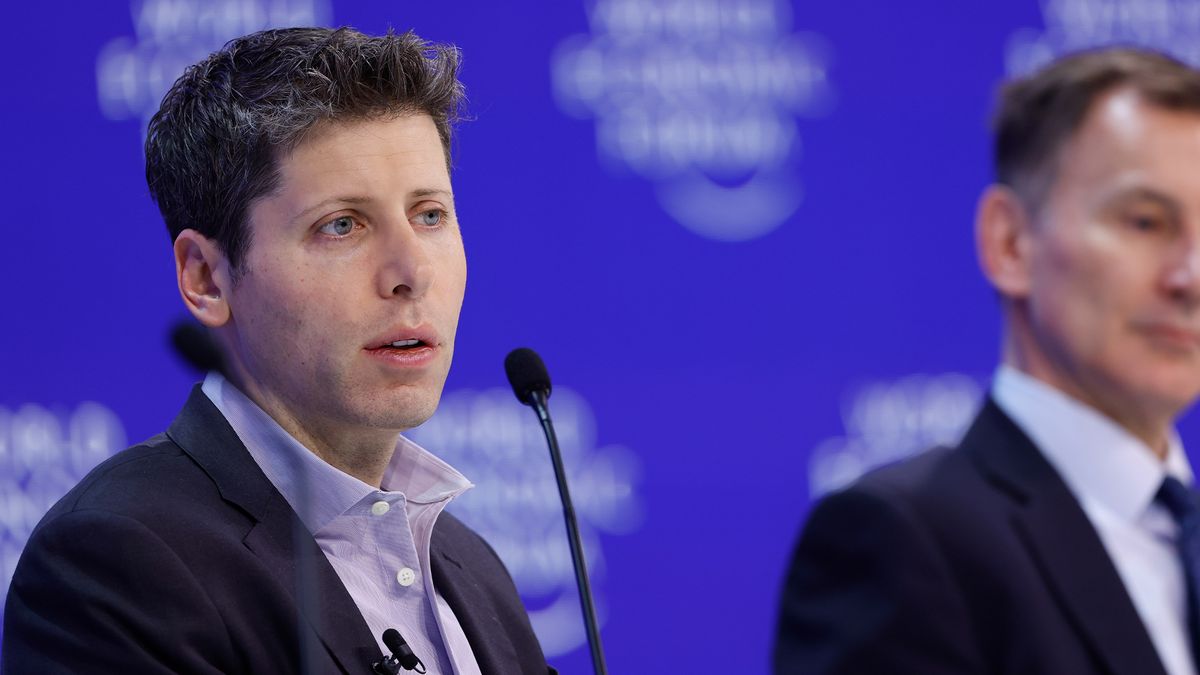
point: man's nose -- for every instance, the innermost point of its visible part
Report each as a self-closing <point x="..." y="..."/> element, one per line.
<point x="405" y="269"/>
<point x="1181" y="278"/>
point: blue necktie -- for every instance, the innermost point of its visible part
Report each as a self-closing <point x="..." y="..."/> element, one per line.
<point x="1184" y="504"/>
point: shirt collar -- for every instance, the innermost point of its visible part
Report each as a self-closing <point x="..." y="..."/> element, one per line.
<point x="316" y="490"/>
<point x="1098" y="459"/>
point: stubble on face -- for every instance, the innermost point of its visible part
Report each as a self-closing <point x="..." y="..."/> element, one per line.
<point x="358" y="242"/>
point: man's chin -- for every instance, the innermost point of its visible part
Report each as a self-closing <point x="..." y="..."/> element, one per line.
<point x="1166" y="399"/>
<point x="1175" y="403"/>
<point x="399" y="413"/>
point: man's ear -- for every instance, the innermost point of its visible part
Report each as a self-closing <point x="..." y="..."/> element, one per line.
<point x="1003" y="232"/>
<point x="204" y="277"/>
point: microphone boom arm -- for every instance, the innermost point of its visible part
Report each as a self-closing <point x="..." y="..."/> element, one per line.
<point x="540" y="405"/>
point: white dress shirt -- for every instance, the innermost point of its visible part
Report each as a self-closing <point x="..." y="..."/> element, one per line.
<point x="1115" y="477"/>
<point x="376" y="539"/>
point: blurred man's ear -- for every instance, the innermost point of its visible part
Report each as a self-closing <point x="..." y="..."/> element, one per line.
<point x="204" y="277"/>
<point x="1002" y="241"/>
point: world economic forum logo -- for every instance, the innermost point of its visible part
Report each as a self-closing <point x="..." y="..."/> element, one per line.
<point x="133" y="74"/>
<point x="43" y="453"/>
<point x="888" y="420"/>
<point x="1172" y="26"/>
<point x="498" y="444"/>
<point x="701" y="98"/>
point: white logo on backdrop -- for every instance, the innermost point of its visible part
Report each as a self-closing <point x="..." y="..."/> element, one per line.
<point x="43" y="454"/>
<point x="889" y="420"/>
<point x="498" y="444"/>
<point x="133" y="74"/>
<point x="1169" y="25"/>
<point x="701" y="98"/>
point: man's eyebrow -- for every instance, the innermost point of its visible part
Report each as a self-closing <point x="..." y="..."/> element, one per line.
<point x="346" y="199"/>
<point x="1145" y="194"/>
<point x="362" y="199"/>
<point x="429" y="192"/>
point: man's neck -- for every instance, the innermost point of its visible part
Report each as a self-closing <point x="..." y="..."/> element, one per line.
<point x="1152" y="430"/>
<point x="361" y="453"/>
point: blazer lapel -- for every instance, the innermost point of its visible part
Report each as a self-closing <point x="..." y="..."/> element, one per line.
<point x="282" y="542"/>
<point x="1064" y="545"/>
<point x="278" y="536"/>
<point x="475" y="612"/>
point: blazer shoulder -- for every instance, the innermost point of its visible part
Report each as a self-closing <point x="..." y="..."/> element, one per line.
<point x="152" y="482"/>
<point x="938" y="474"/>
<point x="992" y="468"/>
<point x="919" y="496"/>
<point x="131" y="467"/>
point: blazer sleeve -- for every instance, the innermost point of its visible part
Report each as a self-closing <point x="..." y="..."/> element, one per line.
<point x="868" y="591"/>
<point x="97" y="592"/>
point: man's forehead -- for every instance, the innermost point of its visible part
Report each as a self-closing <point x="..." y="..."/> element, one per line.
<point x="1125" y="113"/>
<point x="353" y="149"/>
<point x="1122" y="129"/>
<point x="350" y="162"/>
<point x="366" y="126"/>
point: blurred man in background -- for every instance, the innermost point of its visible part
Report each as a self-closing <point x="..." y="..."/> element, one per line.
<point x="1061" y="535"/>
<point x="282" y="523"/>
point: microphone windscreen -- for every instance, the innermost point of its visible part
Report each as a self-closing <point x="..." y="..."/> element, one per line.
<point x="391" y="638"/>
<point x="195" y="345"/>
<point x="526" y="373"/>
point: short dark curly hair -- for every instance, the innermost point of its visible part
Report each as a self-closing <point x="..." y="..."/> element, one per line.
<point x="214" y="145"/>
<point x="1037" y="114"/>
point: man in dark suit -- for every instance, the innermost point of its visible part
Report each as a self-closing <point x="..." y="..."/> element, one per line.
<point x="282" y="523"/>
<point x="1056" y="537"/>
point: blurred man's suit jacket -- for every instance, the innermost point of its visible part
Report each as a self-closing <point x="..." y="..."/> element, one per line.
<point x="974" y="559"/>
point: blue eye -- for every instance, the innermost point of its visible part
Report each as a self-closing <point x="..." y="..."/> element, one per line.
<point x="338" y="227"/>
<point x="431" y="218"/>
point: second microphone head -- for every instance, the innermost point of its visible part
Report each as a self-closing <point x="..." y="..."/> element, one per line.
<point x="527" y="374"/>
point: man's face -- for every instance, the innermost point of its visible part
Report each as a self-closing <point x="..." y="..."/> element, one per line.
<point x="345" y="314"/>
<point x="1114" y="263"/>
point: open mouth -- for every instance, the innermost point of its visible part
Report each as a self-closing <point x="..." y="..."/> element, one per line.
<point x="405" y="345"/>
<point x="402" y="345"/>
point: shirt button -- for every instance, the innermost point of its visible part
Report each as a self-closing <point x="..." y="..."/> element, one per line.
<point x="381" y="507"/>
<point x="406" y="576"/>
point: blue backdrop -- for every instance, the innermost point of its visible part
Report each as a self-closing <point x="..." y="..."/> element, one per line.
<point x="738" y="231"/>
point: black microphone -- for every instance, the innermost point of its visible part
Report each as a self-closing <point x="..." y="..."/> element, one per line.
<point x="194" y="344"/>
<point x="531" y="383"/>
<point x="402" y="656"/>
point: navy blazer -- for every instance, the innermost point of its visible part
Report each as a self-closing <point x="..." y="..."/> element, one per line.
<point x="975" y="559"/>
<point x="179" y="556"/>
